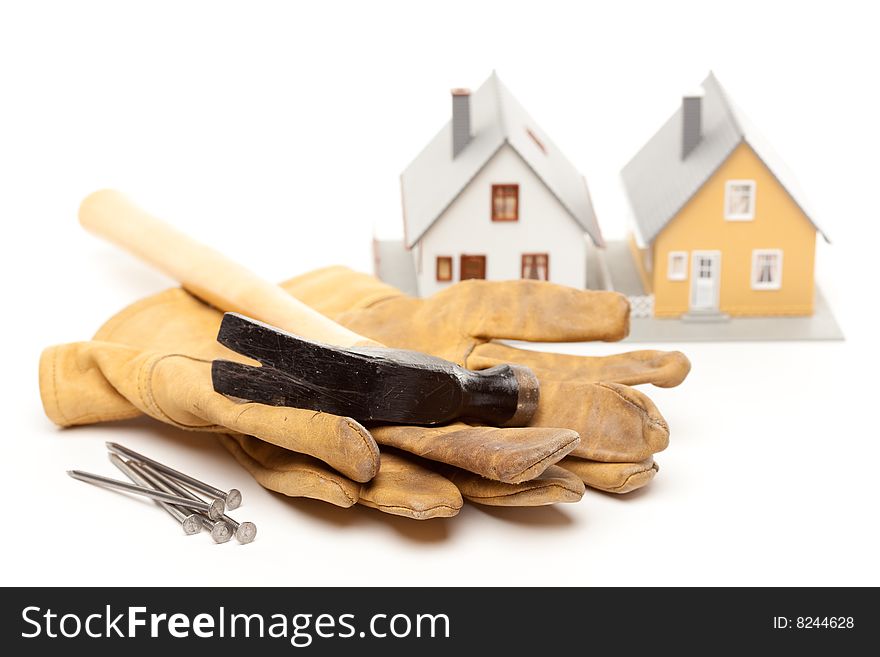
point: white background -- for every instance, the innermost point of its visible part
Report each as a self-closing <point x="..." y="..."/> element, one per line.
<point x="276" y="132"/>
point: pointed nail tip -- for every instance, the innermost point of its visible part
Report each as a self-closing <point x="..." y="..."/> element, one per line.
<point x="114" y="448"/>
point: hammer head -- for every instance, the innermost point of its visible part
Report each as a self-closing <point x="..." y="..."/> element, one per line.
<point x="370" y="384"/>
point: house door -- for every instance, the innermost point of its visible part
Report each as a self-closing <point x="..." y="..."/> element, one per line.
<point x="472" y="266"/>
<point x="705" y="280"/>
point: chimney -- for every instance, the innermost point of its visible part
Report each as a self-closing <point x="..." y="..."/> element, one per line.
<point x="691" y="122"/>
<point x="461" y="120"/>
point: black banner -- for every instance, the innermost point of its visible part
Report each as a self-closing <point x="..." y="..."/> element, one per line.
<point x="433" y="621"/>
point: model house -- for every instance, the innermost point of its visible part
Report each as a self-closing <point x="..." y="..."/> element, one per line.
<point x="491" y="196"/>
<point x="720" y="225"/>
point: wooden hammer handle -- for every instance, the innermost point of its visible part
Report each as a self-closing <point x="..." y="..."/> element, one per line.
<point x="206" y="273"/>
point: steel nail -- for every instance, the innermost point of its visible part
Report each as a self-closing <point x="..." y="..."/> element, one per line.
<point x="220" y="531"/>
<point x="245" y="532"/>
<point x="190" y="523"/>
<point x="232" y="497"/>
<point x="214" y="509"/>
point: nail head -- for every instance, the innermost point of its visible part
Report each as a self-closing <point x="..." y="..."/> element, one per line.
<point x="233" y="498"/>
<point x="246" y="532"/>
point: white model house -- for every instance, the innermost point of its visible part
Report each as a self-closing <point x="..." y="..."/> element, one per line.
<point x="491" y="196"/>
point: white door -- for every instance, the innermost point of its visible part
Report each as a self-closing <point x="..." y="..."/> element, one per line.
<point x="705" y="279"/>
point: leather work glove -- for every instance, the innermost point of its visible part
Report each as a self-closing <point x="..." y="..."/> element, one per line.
<point x="154" y="358"/>
<point x="620" y="428"/>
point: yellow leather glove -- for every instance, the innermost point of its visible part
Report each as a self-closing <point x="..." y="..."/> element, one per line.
<point x="145" y="361"/>
<point x="154" y="358"/>
<point x="620" y="428"/>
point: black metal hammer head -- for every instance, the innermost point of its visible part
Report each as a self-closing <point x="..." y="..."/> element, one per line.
<point x="370" y="384"/>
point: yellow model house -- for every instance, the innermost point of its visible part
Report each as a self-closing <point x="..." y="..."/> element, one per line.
<point x="720" y="226"/>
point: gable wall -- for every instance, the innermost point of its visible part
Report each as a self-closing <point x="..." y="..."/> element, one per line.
<point x="466" y="227"/>
<point x="778" y="224"/>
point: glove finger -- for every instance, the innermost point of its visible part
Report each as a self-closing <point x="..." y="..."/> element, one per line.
<point x="181" y="388"/>
<point x="536" y="311"/>
<point x="406" y="488"/>
<point x="552" y="486"/>
<point x="289" y="473"/>
<point x="665" y="369"/>
<point x="508" y="455"/>
<point x="612" y="477"/>
<point x="616" y="423"/>
<point x="335" y="290"/>
<point x="75" y="390"/>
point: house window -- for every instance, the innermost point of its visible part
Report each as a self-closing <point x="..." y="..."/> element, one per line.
<point x="472" y="266"/>
<point x="739" y="200"/>
<point x="505" y="202"/>
<point x="444" y="268"/>
<point x="677" y="268"/>
<point x="536" y="266"/>
<point x="766" y="269"/>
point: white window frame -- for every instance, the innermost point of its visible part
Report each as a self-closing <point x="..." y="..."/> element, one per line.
<point x="682" y="274"/>
<point x="745" y="216"/>
<point x="773" y="285"/>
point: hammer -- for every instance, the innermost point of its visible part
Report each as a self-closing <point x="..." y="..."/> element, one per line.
<point x="308" y="360"/>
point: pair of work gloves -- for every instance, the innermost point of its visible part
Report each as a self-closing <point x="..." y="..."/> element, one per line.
<point x="591" y="427"/>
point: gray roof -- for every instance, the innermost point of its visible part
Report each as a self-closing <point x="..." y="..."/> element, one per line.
<point x="434" y="179"/>
<point x="659" y="182"/>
